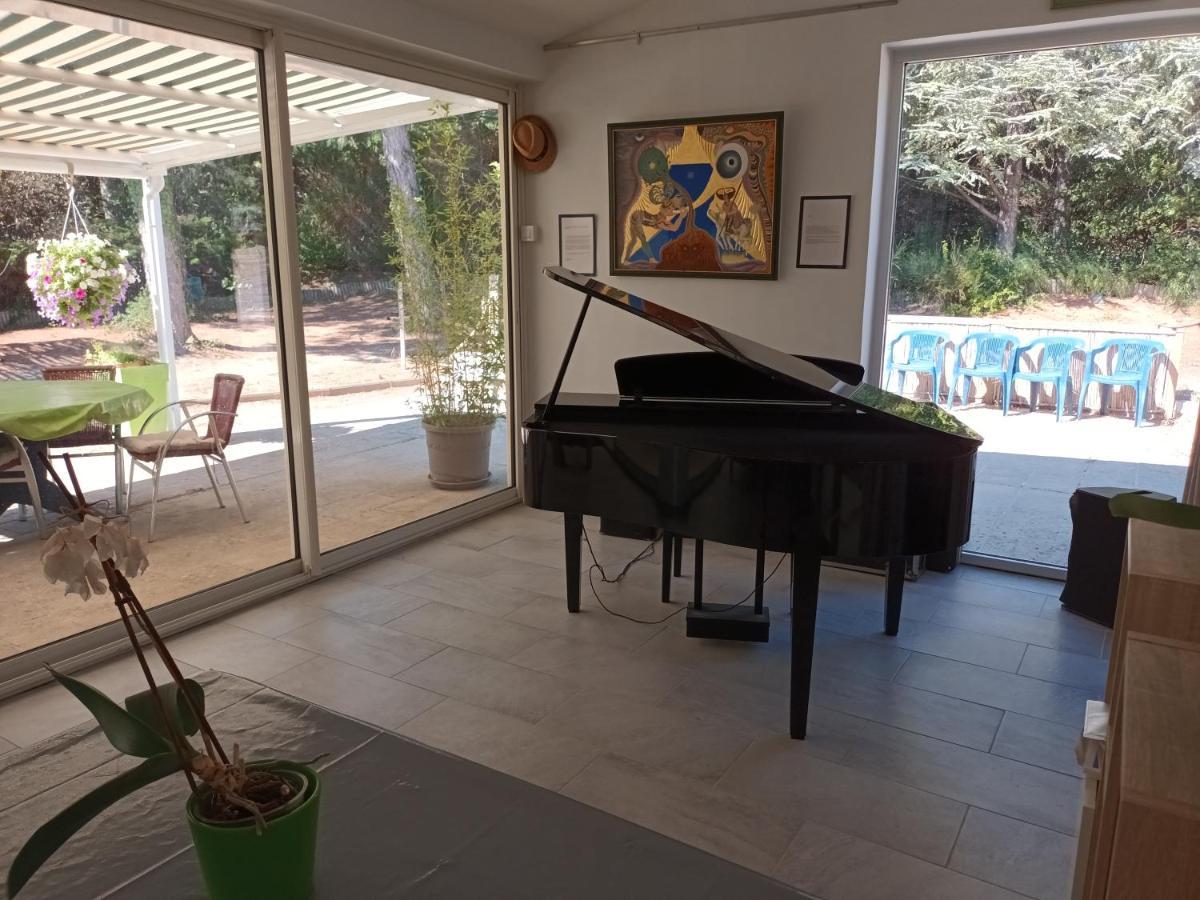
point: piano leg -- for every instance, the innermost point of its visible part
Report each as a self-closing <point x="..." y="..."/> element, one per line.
<point x="895" y="596"/>
<point x="698" y="577"/>
<point x="760" y="570"/>
<point x="573" y="535"/>
<point x="678" y="555"/>
<point x="668" y="546"/>
<point x="806" y="584"/>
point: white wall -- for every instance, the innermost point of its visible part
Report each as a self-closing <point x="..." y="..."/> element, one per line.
<point x="822" y="72"/>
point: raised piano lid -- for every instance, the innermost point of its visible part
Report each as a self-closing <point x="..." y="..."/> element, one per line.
<point x="771" y="362"/>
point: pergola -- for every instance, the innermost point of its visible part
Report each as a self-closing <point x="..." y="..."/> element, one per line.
<point x="85" y="94"/>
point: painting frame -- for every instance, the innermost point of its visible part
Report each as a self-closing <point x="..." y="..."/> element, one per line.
<point x="617" y="223"/>
<point x="842" y="199"/>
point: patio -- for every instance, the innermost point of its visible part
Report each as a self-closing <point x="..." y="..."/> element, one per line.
<point x="371" y="476"/>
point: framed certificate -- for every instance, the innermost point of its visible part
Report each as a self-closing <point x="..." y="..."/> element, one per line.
<point x="577" y="242"/>
<point x="824" y="232"/>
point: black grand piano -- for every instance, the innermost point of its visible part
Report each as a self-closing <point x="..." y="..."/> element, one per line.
<point x="749" y="446"/>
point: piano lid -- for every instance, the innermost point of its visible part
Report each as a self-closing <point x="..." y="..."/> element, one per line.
<point x="771" y="362"/>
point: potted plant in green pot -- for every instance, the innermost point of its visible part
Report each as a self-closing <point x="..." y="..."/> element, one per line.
<point x="448" y="259"/>
<point x="253" y="824"/>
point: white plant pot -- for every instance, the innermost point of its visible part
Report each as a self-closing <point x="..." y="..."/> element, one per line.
<point x="459" y="455"/>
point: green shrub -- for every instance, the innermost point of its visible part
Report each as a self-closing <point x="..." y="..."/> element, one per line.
<point x="138" y="316"/>
<point x="966" y="279"/>
<point x="101" y="354"/>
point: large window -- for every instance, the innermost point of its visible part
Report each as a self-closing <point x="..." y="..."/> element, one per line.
<point x="296" y="344"/>
<point x="1045" y="273"/>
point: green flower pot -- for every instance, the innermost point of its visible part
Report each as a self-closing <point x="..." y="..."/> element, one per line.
<point x="239" y="864"/>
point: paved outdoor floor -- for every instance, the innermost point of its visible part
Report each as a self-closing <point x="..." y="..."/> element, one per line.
<point x="372" y="473"/>
<point x="1030" y="465"/>
<point x="939" y="764"/>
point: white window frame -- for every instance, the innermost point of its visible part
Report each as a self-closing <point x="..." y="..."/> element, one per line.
<point x="894" y="58"/>
<point x="274" y="35"/>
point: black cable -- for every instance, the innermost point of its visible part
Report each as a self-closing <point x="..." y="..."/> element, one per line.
<point x="643" y="554"/>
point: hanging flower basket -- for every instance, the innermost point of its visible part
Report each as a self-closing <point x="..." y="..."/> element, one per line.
<point x="79" y="279"/>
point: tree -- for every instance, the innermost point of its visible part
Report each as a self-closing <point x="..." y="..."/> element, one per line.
<point x="983" y="128"/>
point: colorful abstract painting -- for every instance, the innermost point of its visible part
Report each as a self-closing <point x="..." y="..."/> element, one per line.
<point x="696" y="197"/>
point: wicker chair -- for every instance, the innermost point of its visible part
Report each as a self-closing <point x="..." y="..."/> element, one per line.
<point x="94" y="434"/>
<point x="147" y="451"/>
<point x="16" y="467"/>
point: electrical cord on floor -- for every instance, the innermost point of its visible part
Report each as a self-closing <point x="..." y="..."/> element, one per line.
<point x="644" y="553"/>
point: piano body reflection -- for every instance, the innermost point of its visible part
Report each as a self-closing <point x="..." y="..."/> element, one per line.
<point x="749" y="446"/>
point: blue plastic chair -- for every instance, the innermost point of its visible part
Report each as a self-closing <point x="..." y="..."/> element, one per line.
<point x="925" y="351"/>
<point x="1054" y="365"/>
<point x="992" y="359"/>
<point x="1132" y="362"/>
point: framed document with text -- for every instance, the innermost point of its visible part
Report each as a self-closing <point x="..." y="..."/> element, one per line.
<point x="824" y="232"/>
<point x="577" y="243"/>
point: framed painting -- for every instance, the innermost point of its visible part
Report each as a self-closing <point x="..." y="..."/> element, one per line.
<point x="696" y="197"/>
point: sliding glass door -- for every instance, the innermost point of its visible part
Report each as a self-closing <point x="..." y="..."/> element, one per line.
<point x="136" y="150"/>
<point x="401" y="241"/>
<point x="308" y="336"/>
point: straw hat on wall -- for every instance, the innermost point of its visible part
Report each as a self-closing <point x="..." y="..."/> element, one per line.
<point x="534" y="147"/>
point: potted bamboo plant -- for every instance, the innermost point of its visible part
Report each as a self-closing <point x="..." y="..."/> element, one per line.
<point x="448" y="260"/>
<point x="253" y="824"/>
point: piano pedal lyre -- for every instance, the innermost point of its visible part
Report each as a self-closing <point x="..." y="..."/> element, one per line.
<point x="728" y="621"/>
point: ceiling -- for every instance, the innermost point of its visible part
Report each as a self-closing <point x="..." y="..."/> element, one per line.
<point x="539" y="20"/>
<point x="122" y="103"/>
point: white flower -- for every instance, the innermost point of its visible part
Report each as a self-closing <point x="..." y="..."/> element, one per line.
<point x="115" y="542"/>
<point x="68" y="556"/>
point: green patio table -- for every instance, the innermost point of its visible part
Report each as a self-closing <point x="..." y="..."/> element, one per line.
<point x="38" y="411"/>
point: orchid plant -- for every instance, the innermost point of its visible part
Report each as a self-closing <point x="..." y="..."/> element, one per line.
<point x="78" y="279"/>
<point x="93" y="554"/>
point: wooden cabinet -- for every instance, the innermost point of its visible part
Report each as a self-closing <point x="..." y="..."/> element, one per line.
<point x="1145" y="841"/>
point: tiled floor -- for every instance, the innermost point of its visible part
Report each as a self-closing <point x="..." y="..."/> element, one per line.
<point x="938" y="764"/>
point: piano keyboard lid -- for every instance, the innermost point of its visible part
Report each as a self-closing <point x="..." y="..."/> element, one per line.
<point x="771" y="362"/>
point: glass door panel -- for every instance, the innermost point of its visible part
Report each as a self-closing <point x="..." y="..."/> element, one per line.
<point x="401" y="238"/>
<point x="1042" y="242"/>
<point x="163" y="161"/>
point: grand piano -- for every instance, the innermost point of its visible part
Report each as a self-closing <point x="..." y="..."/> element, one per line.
<point x="746" y="445"/>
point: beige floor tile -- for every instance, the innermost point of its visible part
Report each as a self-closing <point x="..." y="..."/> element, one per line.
<point x="364" y="601"/>
<point x="387" y="572"/>
<point x="700" y="744"/>
<point x="1038" y="742"/>
<point x="601" y="667"/>
<point x="798" y="786"/>
<point x="1016" y="855"/>
<point x="990" y="687"/>
<point x="237" y="651"/>
<point x="490" y="683"/>
<point x="475" y="594"/>
<point x="372" y="647"/>
<point x="970" y="776"/>
<point x="686" y="810"/>
<point x="467" y="630"/>
<point x="445" y="557"/>
<point x="590" y="624"/>
<point x="506" y="743"/>
<point x="837" y="866"/>
<point x="347" y="689"/>
<point x="47" y="710"/>
<point x="278" y="616"/>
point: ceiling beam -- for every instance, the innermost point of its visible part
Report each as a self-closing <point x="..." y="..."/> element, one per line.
<point x="54" y="76"/>
<point x="33" y="118"/>
<point x="39" y="158"/>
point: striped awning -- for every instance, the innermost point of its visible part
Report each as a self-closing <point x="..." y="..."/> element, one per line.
<point x="146" y="99"/>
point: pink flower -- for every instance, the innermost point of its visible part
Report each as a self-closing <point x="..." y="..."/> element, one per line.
<point x="80" y="294"/>
<point x="47" y="279"/>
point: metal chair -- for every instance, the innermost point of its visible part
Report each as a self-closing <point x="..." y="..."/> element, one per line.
<point x="148" y="451"/>
<point x="1130" y="362"/>
<point x="925" y="350"/>
<point x="15" y="467"/>
<point x="94" y="434"/>
<point x="1053" y="365"/>
<point x="990" y="359"/>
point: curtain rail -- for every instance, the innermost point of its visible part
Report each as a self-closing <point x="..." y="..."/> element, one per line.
<point x="638" y="36"/>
